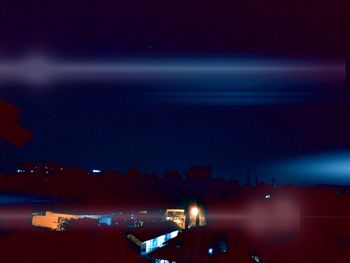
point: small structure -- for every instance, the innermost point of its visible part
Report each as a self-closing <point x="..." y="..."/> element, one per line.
<point x="150" y="237"/>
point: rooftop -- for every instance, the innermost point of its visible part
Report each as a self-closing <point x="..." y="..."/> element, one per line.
<point x="154" y="230"/>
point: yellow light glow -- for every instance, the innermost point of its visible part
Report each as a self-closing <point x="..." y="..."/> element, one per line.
<point x="194" y="211"/>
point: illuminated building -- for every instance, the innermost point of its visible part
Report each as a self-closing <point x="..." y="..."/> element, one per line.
<point x="200" y="244"/>
<point x="56" y="221"/>
<point x="96" y="172"/>
<point x="195" y="215"/>
<point x="51" y="220"/>
<point x="178" y="216"/>
<point x="150" y="237"/>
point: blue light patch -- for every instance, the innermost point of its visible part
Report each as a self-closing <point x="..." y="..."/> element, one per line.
<point x="330" y="167"/>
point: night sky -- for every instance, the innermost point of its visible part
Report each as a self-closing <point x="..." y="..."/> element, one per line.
<point x="103" y="125"/>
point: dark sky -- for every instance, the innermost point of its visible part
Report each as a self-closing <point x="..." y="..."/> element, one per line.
<point x="99" y="125"/>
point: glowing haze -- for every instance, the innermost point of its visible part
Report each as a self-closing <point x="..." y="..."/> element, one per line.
<point x="34" y="68"/>
<point x="189" y="80"/>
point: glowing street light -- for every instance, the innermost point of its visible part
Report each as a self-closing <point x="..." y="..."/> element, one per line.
<point x="194" y="211"/>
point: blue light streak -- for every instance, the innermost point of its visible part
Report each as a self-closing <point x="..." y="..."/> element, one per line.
<point x="208" y="81"/>
<point x="134" y="69"/>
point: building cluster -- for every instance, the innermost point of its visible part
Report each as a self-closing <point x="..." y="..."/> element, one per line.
<point x="49" y="168"/>
<point x="146" y="230"/>
<point x="40" y="168"/>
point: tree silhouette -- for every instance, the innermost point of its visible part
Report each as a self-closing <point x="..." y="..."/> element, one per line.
<point x="10" y="130"/>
